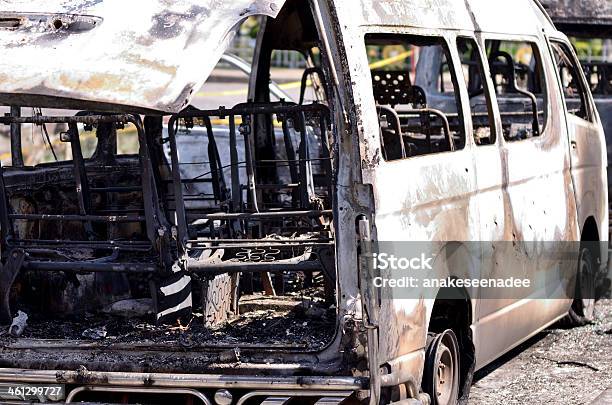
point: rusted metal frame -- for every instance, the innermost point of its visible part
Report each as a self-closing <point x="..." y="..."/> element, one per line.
<point x="73" y="119"/>
<point x="278" y="186"/>
<point x="118" y="189"/>
<point x="266" y="241"/>
<point x="338" y="383"/>
<point x="5" y="217"/>
<point x="285" y="397"/>
<point x="326" y="161"/>
<point x="192" y="393"/>
<point x="426" y="125"/>
<point x="216" y="166"/>
<point x="370" y="303"/>
<point x="271" y="267"/>
<point x="391" y="113"/>
<point x="116" y="211"/>
<point x="83" y="218"/>
<point x="286" y="162"/>
<point x="156" y="224"/>
<point x="153" y="133"/>
<point x="127" y="246"/>
<point x="306" y="178"/>
<point x="88" y="267"/>
<point x="5" y="221"/>
<point x="311" y="71"/>
<point x="179" y="202"/>
<point x="201" y="245"/>
<point x="235" y="173"/>
<point x="252" y="109"/>
<point x="153" y="212"/>
<point x="445" y="123"/>
<point x="534" y="109"/>
<point x="16" y="150"/>
<point x="191" y="181"/>
<point x="80" y="178"/>
<point x="8" y="274"/>
<point x="511" y="73"/>
<point x="291" y="158"/>
<point x="246" y="130"/>
<point x="88" y="243"/>
<point x="246" y="109"/>
<point x="263" y="215"/>
<point x="256" y="109"/>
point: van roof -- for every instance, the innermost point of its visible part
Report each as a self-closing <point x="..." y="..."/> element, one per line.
<point x="520" y="17"/>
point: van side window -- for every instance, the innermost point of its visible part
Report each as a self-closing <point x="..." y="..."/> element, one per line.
<point x="480" y="102"/>
<point x="574" y="91"/>
<point x="516" y="69"/>
<point x="416" y="95"/>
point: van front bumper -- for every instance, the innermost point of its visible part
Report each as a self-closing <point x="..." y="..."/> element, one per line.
<point x="202" y="386"/>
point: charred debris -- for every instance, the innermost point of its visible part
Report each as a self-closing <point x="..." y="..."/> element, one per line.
<point x="232" y="245"/>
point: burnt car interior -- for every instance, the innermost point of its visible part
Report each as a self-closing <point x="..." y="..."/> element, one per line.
<point x="599" y="75"/>
<point x="418" y="99"/>
<point x="415" y="95"/>
<point x="517" y="74"/>
<point x="573" y="88"/>
<point x="480" y="103"/>
<point x="217" y="228"/>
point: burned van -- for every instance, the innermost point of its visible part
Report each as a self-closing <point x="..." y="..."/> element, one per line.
<point x="155" y="251"/>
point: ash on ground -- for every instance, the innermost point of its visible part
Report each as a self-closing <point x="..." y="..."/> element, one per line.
<point x="285" y="321"/>
<point x="557" y="367"/>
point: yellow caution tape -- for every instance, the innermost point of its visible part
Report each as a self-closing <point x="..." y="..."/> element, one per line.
<point x="390" y="61"/>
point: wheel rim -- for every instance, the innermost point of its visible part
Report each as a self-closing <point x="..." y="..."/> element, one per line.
<point x="441" y="377"/>
<point x="445" y="375"/>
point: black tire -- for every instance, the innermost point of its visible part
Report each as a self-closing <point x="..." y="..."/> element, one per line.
<point x="582" y="311"/>
<point x="441" y="377"/>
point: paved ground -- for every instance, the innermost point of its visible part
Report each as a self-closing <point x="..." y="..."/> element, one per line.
<point x="558" y="366"/>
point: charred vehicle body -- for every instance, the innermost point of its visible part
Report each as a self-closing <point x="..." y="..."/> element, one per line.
<point x="226" y="257"/>
<point x="591" y="21"/>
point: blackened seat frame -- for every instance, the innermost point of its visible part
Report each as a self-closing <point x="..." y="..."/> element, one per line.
<point x="320" y="249"/>
<point x="158" y="229"/>
<point x="169" y="244"/>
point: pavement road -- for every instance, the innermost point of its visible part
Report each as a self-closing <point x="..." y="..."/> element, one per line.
<point x="558" y="366"/>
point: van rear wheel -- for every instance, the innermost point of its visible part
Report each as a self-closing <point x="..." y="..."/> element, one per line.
<point x="582" y="311"/>
<point x="441" y="374"/>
